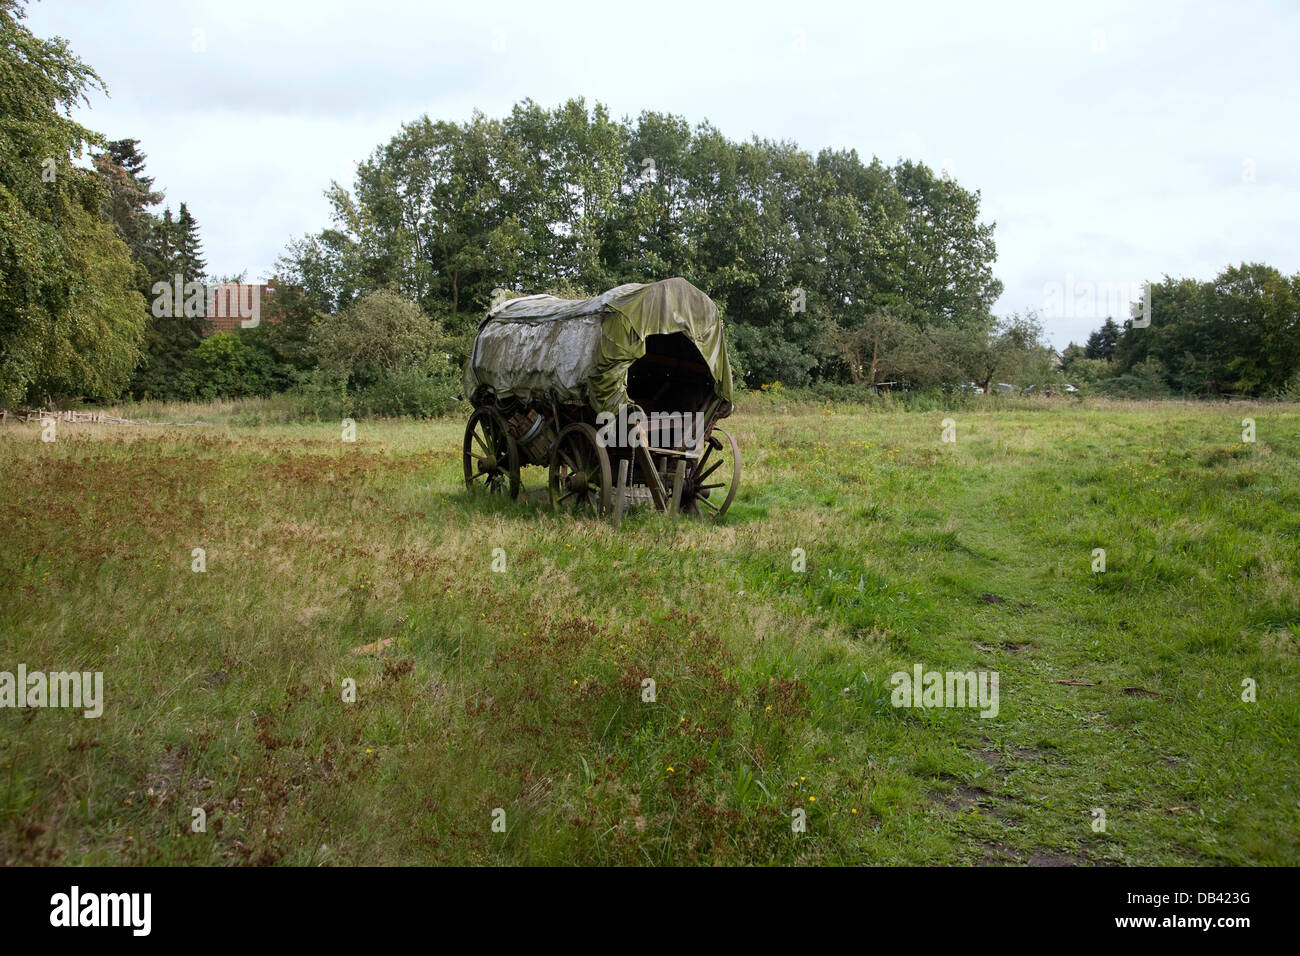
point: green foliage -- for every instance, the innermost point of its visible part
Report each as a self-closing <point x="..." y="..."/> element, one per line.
<point x="288" y="316"/>
<point x="418" y="392"/>
<point x="227" y="365"/>
<point x="128" y="196"/>
<point x="1147" y="379"/>
<point x="1101" y="343"/>
<point x="1087" y="371"/>
<point x="162" y="248"/>
<point x="172" y="249"/>
<point x="70" y="316"/>
<point x="382" y="332"/>
<point x="382" y="356"/>
<point x="426" y="392"/>
<point x="1239" y="333"/>
<point x="323" y="395"/>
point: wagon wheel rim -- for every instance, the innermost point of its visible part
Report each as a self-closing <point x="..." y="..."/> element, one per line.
<point x="580" y="479"/>
<point x="712" y="479"/>
<point x="489" y="455"/>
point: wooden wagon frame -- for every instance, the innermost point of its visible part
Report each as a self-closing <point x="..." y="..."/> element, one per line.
<point x="618" y="396"/>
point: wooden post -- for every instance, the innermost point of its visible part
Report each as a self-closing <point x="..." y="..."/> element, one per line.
<point x="657" y="492"/>
<point x="620" y="493"/>
<point x="679" y="478"/>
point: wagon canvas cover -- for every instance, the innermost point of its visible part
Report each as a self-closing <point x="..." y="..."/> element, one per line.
<point x="578" y="351"/>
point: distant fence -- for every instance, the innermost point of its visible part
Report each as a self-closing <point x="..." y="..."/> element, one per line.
<point x="71" y="415"/>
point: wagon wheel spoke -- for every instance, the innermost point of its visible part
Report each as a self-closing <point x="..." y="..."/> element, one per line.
<point x="716" y="465"/>
<point x="580" y="475"/>
<point x="711" y="499"/>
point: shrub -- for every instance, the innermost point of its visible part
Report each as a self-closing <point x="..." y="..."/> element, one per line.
<point x="426" y="391"/>
<point x="380" y="334"/>
<point x="225" y="366"/>
<point x="413" y="391"/>
<point x="1147" y="379"/>
<point x="323" y="395"/>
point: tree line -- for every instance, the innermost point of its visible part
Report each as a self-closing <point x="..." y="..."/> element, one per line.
<point x="800" y="252"/>
<point x="1238" y="334"/>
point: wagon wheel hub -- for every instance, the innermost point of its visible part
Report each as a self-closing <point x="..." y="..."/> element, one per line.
<point x="577" y="482"/>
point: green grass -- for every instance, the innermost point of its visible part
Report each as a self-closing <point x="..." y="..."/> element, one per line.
<point x="522" y="690"/>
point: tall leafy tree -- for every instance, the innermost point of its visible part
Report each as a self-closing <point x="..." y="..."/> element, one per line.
<point x="1260" y="310"/>
<point x="1011" y="349"/>
<point x="71" y="317"/>
<point x="946" y="258"/>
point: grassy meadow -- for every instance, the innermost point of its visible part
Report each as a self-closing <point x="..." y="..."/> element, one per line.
<point x="521" y="690"/>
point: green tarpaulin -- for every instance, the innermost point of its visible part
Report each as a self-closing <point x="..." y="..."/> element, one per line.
<point x="578" y="351"/>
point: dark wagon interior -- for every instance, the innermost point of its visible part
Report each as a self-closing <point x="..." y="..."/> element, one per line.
<point x="672" y="376"/>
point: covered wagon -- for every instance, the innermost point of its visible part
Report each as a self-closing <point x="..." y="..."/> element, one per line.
<point x="618" y="396"/>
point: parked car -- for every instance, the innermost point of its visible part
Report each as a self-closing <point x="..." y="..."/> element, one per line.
<point x="884" y="388"/>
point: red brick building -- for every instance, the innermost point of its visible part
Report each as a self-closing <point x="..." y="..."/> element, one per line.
<point x="232" y="306"/>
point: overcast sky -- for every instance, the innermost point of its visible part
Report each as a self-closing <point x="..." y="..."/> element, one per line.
<point x="1111" y="142"/>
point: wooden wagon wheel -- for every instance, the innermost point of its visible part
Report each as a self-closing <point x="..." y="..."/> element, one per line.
<point x="712" y="480"/>
<point x="490" y="457"/>
<point x="580" y="475"/>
